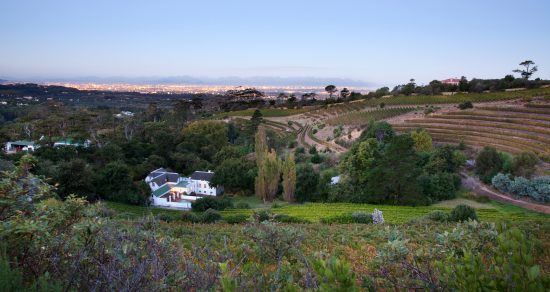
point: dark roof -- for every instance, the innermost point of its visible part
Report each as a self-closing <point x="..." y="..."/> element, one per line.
<point x="202" y="175"/>
<point x="166" y="177"/>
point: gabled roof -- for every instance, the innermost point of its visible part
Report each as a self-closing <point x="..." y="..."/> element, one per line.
<point x="161" y="191"/>
<point x="202" y="175"/>
<point x="183" y="184"/>
<point x="23" y="142"/>
<point x="166" y="177"/>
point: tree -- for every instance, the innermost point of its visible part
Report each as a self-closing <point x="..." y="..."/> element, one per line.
<point x="488" y="163"/>
<point x="422" y="140"/>
<point x="381" y="131"/>
<point x="204" y="138"/>
<point x="524" y="164"/>
<point x="358" y="160"/>
<point x="289" y="178"/>
<point x="306" y="190"/>
<point x="267" y="180"/>
<point x="408" y="89"/>
<point x="256" y="119"/>
<point x="463" y="85"/>
<point x="394" y="172"/>
<point x="74" y="177"/>
<point x="528" y="71"/>
<point x="234" y="174"/>
<point x="330" y="89"/>
<point x="260" y="145"/>
<point x="152" y="113"/>
<point x="345" y="93"/>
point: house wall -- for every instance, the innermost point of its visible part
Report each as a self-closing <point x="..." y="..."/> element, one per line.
<point x="202" y="187"/>
<point x="162" y="202"/>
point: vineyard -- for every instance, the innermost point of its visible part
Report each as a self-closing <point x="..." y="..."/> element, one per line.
<point x="314" y="212"/>
<point x="511" y="129"/>
<point x="363" y="117"/>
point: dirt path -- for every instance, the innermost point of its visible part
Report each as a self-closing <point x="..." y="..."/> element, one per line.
<point x="480" y="189"/>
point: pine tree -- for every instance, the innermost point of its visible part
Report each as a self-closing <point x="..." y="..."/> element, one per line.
<point x="289" y="178"/>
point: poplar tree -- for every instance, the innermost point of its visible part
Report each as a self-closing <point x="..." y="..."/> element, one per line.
<point x="269" y="169"/>
<point x="289" y="178"/>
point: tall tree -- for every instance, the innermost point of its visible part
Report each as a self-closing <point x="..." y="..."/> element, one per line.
<point x="528" y="71"/>
<point x="267" y="181"/>
<point x="289" y="178"/>
<point x="330" y="89"/>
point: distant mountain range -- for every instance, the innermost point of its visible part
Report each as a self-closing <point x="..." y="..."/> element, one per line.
<point x="189" y="80"/>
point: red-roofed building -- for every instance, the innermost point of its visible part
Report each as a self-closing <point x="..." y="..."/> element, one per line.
<point x="451" y="81"/>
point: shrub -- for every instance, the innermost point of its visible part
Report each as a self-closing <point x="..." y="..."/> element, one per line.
<point x="211" y="216"/>
<point x="523" y="164"/>
<point x="262" y="215"/>
<point x="208" y="202"/>
<point x="190" y="217"/>
<point x="242" y="205"/>
<point x="236" y="219"/>
<point x="316" y="158"/>
<point x="377" y="217"/>
<point x="439" y="216"/>
<point x="488" y="163"/>
<point x="466" y="105"/>
<point x="361" y="217"/>
<point x="463" y="213"/>
<point x="165" y="217"/>
<point x="537" y="189"/>
<point x="283" y="218"/>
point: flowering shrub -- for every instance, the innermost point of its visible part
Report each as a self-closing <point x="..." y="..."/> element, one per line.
<point x="377" y="217"/>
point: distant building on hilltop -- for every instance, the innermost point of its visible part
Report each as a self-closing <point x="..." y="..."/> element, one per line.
<point x="451" y="81"/>
<point x="169" y="189"/>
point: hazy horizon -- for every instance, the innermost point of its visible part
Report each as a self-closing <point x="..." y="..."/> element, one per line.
<point x="375" y="44"/>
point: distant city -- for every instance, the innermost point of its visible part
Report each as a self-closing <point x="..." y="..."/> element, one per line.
<point x="197" y="89"/>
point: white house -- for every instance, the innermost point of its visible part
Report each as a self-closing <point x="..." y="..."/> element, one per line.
<point x="70" y="142"/>
<point x="169" y="189"/>
<point x="21" y="145"/>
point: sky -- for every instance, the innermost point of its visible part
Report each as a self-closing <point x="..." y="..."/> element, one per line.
<point x="379" y="42"/>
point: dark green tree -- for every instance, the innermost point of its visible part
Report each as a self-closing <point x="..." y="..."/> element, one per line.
<point x="393" y="176"/>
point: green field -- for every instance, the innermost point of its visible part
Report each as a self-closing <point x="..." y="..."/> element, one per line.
<point x="271" y="112"/>
<point x="314" y="212"/>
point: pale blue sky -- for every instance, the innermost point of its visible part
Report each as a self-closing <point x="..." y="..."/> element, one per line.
<point x="384" y="42"/>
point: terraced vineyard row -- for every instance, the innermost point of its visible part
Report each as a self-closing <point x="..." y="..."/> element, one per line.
<point x="330" y="146"/>
<point x="314" y="212"/>
<point x="510" y="129"/>
<point x="362" y="118"/>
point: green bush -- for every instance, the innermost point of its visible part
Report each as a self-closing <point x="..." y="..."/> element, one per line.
<point x="466" y="105"/>
<point x="283" y="218"/>
<point x="361" y="217"/>
<point x="439" y="216"/>
<point x="208" y="202"/>
<point x="165" y="217"/>
<point x="236" y="219"/>
<point x="463" y="213"/>
<point x="262" y="215"/>
<point x="190" y="217"/>
<point x="211" y="216"/>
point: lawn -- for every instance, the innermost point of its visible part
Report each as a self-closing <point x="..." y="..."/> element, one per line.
<point x="313" y="212"/>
